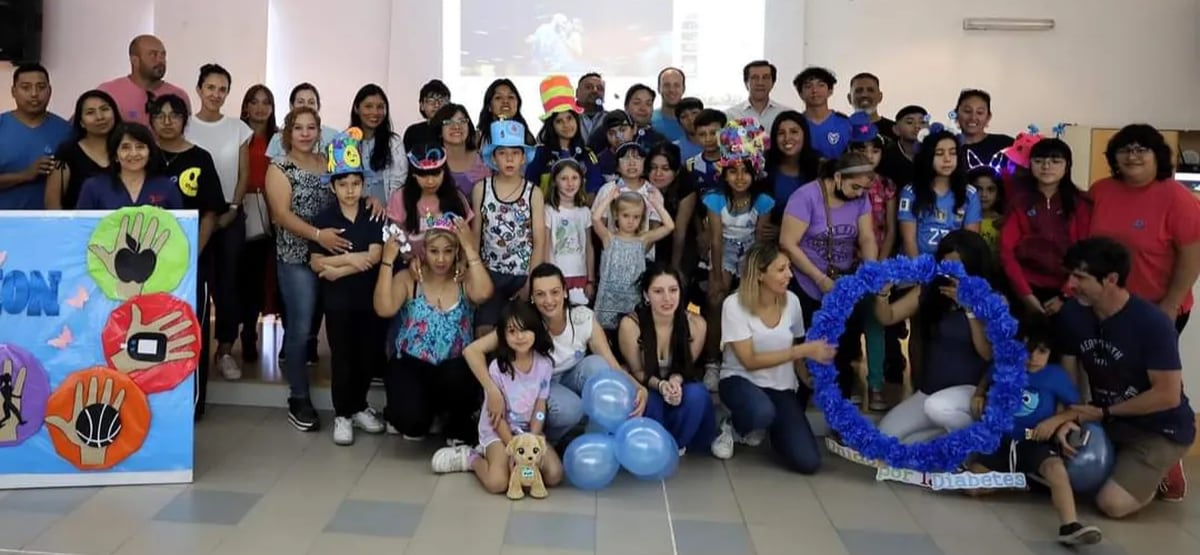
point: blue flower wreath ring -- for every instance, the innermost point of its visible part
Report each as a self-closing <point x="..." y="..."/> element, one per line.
<point x="1008" y="375"/>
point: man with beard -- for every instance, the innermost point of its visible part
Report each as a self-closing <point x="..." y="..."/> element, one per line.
<point x="147" y="67"/>
<point x="590" y="94"/>
<point x="1130" y="352"/>
<point x="865" y="95"/>
<point x="29" y="136"/>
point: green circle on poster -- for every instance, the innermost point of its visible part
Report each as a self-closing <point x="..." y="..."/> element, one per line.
<point x="137" y="250"/>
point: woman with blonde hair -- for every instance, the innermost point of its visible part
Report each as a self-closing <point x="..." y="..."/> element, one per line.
<point x="764" y="381"/>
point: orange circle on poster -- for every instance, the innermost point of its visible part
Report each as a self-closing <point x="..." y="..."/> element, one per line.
<point x="97" y="418"/>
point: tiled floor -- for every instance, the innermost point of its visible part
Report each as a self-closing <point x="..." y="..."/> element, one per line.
<point x="262" y="488"/>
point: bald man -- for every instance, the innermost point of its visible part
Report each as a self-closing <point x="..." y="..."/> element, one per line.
<point x="147" y="67"/>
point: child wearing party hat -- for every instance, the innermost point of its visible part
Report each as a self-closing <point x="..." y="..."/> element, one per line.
<point x="561" y="136"/>
<point x="356" y="335"/>
<point x="510" y="222"/>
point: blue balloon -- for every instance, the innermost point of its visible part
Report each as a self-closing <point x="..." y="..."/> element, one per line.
<point x="594" y="427"/>
<point x="590" y="462"/>
<point x="608" y="398"/>
<point x="644" y="447"/>
<point x="1093" y="463"/>
<point x="672" y="465"/>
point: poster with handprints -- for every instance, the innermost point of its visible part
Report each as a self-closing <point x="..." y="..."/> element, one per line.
<point x="99" y="343"/>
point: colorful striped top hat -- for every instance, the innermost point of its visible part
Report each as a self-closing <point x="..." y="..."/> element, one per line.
<point x="558" y="96"/>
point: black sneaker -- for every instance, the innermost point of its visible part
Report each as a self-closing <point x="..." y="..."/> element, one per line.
<point x="302" y="415"/>
<point x="249" y="349"/>
<point x="1077" y="534"/>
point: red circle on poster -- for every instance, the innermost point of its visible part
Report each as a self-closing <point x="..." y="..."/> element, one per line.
<point x="97" y="418"/>
<point x="155" y="339"/>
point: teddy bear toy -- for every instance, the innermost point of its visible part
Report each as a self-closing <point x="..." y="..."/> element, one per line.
<point x="525" y="452"/>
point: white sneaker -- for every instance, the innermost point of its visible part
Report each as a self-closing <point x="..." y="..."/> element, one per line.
<point x="229" y="368"/>
<point x="712" y="376"/>
<point x="343" y="431"/>
<point x="368" y="421"/>
<point x="454" y="442"/>
<point x="752" y="439"/>
<point x="452" y="459"/>
<point x="722" y="447"/>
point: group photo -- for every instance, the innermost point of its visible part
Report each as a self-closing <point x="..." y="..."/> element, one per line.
<point x="590" y="309"/>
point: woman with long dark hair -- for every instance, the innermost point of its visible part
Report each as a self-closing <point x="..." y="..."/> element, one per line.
<point x="661" y="342"/>
<point x="86" y="155"/>
<point x="428" y="193"/>
<point x="561" y="137"/>
<point x="1048" y="214"/>
<point x="939" y="200"/>
<point x="946" y="385"/>
<point x="385" y="163"/>
<point x="501" y="100"/>
<point x="256" y="280"/>
<point x="791" y="161"/>
<point x="134" y="177"/>
<point x="462" y="147"/>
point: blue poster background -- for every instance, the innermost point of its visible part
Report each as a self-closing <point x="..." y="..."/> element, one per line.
<point x="58" y="241"/>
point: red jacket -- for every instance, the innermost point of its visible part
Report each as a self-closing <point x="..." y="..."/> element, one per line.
<point x="1035" y="237"/>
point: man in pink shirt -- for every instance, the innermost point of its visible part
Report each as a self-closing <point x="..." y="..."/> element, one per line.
<point x="147" y="66"/>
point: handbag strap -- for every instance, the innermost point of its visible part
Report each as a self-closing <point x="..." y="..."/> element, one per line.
<point x="829" y="269"/>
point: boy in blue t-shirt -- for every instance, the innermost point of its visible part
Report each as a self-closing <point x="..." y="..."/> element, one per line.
<point x="1029" y="446"/>
<point x="703" y="166"/>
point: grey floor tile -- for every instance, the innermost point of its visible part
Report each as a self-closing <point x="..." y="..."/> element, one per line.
<point x="865" y="542"/>
<point x="386" y="519"/>
<point x="694" y="537"/>
<point x="1053" y="548"/>
<point x="20" y="528"/>
<point x="204" y="506"/>
<point x="558" y="531"/>
<point x="58" y="501"/>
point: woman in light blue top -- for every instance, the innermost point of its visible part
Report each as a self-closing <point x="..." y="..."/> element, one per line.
<point x="385" y="169"/>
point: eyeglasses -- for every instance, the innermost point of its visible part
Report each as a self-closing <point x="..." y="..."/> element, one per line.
<point x="1048" y="161"/>
<point x="456" y="122"/>
<point x="167" y="116"/>
<point x="1132" y="150"/>
<point x="436" y="100"/>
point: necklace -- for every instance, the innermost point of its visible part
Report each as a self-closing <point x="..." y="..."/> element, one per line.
<point x="168" y="160"/>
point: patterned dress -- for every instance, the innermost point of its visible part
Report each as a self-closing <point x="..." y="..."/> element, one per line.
<point x="309" y="198"/>
<point x="621" y="264"/>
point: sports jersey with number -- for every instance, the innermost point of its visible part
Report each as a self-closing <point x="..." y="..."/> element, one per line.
<point x="938" y="221"/>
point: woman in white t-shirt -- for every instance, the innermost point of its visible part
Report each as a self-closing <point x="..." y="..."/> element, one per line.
<point x="764" y="381"/>
<point x="227" y="139"/>
<point x="575" y="332"/>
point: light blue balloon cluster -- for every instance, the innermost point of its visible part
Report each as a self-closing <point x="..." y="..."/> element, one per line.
<point x="614" y="440"/>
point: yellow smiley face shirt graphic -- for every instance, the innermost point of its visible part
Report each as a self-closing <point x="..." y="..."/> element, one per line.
<point x="189" y="182"/>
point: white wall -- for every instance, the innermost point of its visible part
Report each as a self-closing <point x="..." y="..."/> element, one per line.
<point x="1107" y="62"/>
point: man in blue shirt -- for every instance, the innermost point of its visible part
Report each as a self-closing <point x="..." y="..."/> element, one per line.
<point x="29" y="136"/>
<point x="1130" y="352"/>
<point x="671" y="85"/>
<point x="828" y="131"/>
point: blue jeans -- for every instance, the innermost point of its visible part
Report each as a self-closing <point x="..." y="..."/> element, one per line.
<point x="780" y="413"/>
<point x="298" y="285"/>
<point x="564" y="409"/>
<point x="693" y="423"/>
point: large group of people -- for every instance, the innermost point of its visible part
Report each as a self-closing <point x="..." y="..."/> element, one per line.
<point x="486" y="271"/>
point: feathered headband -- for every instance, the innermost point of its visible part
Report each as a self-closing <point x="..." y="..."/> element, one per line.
<point x="744" y="139"/>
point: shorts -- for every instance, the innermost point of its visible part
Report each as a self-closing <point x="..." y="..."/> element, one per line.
<point x="1030" y="456"/>
<point x="1143" y="458"/>
<point x="488" y="435"/>
<point x="504" y="287"/>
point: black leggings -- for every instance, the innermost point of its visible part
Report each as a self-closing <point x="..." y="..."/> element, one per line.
<point x="418" y="390"/>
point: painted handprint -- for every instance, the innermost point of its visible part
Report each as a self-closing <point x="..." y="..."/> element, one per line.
<point x="150" y="344"/>
<point x="134" y="254"/>
<point x="155" y="339"/>
<point x="97" y="418"/>
<point x="24" y="388"/>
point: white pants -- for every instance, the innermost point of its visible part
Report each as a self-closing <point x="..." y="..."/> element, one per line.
<point x="923" y="417"/>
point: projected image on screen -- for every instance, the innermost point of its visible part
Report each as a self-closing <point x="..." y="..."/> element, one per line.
<point x="626" y="37"/>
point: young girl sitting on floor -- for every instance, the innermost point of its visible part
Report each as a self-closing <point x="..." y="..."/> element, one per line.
<point x="522" y="371"/>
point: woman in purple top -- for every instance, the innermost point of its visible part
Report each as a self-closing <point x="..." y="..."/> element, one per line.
<point x="462" y="150"/>
<point x="827" y="230"/>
